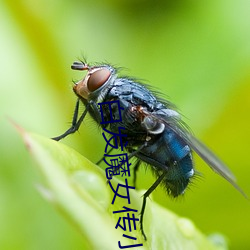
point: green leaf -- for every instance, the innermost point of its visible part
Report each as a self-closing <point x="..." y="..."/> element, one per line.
<point x="79" y="190"/>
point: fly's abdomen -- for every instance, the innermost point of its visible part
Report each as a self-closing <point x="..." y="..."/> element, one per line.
<point x="180" y="167"/>
<point x="178" y="176"/>
<point x="172" y="155"/>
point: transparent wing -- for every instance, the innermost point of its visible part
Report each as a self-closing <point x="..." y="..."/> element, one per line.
<point x="175" y="124"/>
<point x="207" y="155"/>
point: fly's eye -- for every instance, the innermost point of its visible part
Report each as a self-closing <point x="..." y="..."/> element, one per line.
<point x="97" y="79"/>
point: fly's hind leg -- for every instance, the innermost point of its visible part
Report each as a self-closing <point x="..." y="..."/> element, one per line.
<point x="144" y="201"/>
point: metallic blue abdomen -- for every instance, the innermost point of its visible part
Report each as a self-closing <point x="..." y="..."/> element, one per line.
<point x="171" y="153"/>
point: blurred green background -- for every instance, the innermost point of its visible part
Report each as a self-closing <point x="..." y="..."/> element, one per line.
<point x="196" y="52"/>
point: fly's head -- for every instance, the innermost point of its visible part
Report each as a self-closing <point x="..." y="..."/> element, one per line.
<point x="96" y="79"/>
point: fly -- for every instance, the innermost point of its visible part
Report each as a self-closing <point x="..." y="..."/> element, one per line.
<point x="156" y="135"/>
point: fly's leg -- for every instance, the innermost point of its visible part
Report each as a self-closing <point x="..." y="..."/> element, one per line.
<point x="77" y="123"/>
<point x="145" y="196"/>
<point x="134" y="152"/>
<point x="138" y="163"/>
<point x="129" y="157"/>
<point x="104" y="156"/>
<point x="136" y="167"/>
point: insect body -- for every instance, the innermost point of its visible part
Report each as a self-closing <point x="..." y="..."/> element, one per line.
<point x="155" y="133"/>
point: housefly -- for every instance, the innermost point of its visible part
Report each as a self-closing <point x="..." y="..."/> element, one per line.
<point x="156" y="135"/>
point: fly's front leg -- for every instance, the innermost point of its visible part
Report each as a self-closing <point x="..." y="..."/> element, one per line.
<point x="75" y="123"/>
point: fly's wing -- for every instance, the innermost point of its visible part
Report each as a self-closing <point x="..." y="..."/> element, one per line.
<point x="212" y="160"/>
<point x="175" y="124"/>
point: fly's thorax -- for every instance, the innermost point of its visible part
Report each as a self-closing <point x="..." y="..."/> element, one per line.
<point x="95" y="84"/>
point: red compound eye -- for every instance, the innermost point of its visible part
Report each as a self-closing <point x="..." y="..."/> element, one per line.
<point x="97" y="79"/>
